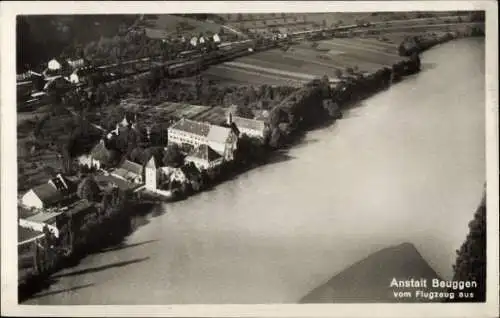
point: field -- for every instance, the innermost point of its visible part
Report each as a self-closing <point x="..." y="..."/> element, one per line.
<point x="167" y="25"/>
<point x="303" y="62"/>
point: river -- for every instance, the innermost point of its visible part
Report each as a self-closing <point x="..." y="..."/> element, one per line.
<point x="407" y="165"/>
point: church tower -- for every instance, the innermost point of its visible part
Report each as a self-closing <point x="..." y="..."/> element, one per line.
<point x="151" y="174"/>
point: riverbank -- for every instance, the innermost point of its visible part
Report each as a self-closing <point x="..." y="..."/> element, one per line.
<point x="314" y="92"/>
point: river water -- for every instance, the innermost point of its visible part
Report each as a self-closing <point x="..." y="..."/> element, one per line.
<point x="407" y="165"/>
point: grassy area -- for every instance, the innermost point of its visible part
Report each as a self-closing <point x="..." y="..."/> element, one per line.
<point x="169" y="25"/>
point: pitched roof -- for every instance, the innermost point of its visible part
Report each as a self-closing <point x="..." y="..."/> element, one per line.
<point x="101" y="153"/>
<point x="151" y="163"/>
<point x="218" y="134"/>
<point x="205" y="152"/>
<point x="128" y="169"/>
<point x="246" y="123"/>
<point x="26" y="234"/>
<point x="193" y="127"/>
<point x="47" y="193"/>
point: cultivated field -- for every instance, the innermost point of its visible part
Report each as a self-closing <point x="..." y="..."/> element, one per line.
<point x="167" y="25"/>
<point x="303" y="62"/>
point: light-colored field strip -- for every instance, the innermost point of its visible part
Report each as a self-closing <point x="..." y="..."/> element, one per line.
<point x="271" y="70"/>
<point x="353" y="49"/>
<point x="367" y="46"/>
<point x="260" y="76"/>
<point x="374" y="41"/>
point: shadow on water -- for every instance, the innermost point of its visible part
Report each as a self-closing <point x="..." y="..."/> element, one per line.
<point x="100" y="268"/>
<point x="123" y="246"/>
<point x="60" y="291"/>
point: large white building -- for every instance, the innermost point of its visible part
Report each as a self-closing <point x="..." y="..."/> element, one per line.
<point x="221" y="139"/>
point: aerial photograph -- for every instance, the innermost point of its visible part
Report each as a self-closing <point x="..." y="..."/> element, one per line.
<point x="251" y="158"/>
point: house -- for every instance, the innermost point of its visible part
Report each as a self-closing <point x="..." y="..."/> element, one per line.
<point x="204" y="158"/>
<point x="49" y="194"/>
<point x="152" y="174"/>
<point x="129" y="171"/>
<point x="54" y="65"/>
<point x="250" y="127"/>
<point x="76" y="63"/>
<point x="221" y="139"/>
<point x="100" y="156"/>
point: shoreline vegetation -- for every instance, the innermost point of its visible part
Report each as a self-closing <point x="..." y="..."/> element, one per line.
<point x="316" y="104"/>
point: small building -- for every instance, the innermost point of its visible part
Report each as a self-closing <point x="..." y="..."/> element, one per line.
<point x="129" y="171"/>
<point x="49" y="194"/>
<point x="204" y="158"/>
<point x="99" y="157"/>
<point x="250" y="127"/>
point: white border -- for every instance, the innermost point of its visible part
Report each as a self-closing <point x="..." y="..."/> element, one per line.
<point x="9" y="181"/>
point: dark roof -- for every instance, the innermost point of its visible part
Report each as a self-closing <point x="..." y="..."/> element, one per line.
<point x="24" y="234"/>
<point x="193" y="127"/>
<point x="205" y="152"/>
<point x="47" y="193"/>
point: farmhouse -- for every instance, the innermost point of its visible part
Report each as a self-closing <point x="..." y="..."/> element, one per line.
<point x="221" y="139"/>
<point x="129" y="171"/>
<point x="45" y="195"/>
<point x="204" y="158"/>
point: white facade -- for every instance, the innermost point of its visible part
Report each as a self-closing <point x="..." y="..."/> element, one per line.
<point x="89" y="161"/>
<point x="30" y="199"/>
<point x="73" y="78"/>
<point x="54" y="65"/>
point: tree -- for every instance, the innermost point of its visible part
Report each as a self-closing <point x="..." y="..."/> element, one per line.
<point x="471" y="258"/>
<point x="173" y="156"/>
<point x="350" y="70"/>
<point x="88" y="189"/>
<point x="338" y="73"/>
<point x="245" y="112"/>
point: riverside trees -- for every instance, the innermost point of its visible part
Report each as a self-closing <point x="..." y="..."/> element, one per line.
<point x="471" y="257"/>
